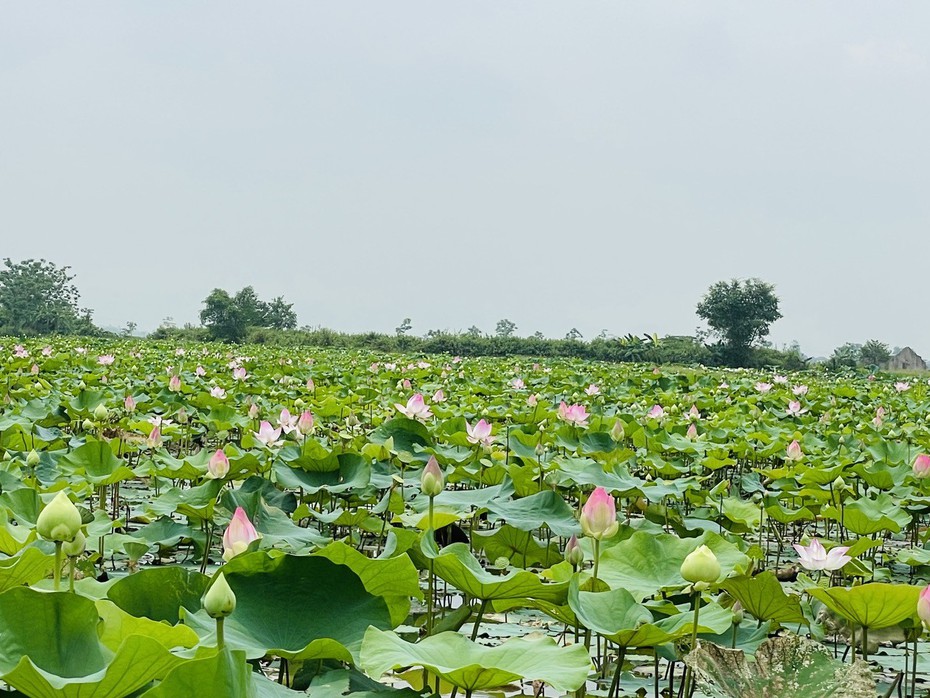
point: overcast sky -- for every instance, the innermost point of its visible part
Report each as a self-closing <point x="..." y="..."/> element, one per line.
<point x="588" y="164"/>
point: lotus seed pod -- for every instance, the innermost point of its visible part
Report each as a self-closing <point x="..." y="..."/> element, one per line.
<point x="60" y="520"/>
<point x="219" y="601"/>
<point x="76" y="547"/>
<point x="701" y="566"/>
<point x="101" y="413"/>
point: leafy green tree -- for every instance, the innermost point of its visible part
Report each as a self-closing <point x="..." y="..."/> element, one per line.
<point x="874" y="353"/>
<point x="223" y="317"/>
<point x="253" y="308"/>
<point x="404" y="327"/>
<point x="280" y="315"/>
<point x="473" y="331"/>
<point x="574" y="334"/>
<point x="739" y="313"/>
<point x="37" y="297"/>
<point x="505" y="328"/>
<point x="846" y="356"/>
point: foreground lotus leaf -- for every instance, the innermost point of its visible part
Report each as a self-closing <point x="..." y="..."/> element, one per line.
<point x="159" y="593"/>
<point x="763" y="598"/>
<point x="872" y="606"/>
<point x="470" y="666"/>
<point x="783" y="666"/>
<point x="298" y="607"/>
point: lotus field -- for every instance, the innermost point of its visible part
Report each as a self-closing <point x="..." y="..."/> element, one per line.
<point x="215" y="521"/>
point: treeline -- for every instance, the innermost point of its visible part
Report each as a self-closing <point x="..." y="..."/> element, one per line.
<point x="667" y="350"/>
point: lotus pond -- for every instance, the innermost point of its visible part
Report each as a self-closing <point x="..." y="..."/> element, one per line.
<point x="207" y="521"/>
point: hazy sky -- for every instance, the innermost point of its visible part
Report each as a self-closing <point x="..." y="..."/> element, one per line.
<point x="588" y="164"/>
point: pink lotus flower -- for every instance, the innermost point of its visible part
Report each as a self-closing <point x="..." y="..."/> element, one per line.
<point x="694" y="412"/>
<point x="239" y="373"/>
<point x="238" y="535"/>
<point x="517" y="384"/>
<point x="795" y="409"/>
<point x="106" y="359"/>
<point x="200" y="371"/>
<point x="179" y="351"/>
<point x="592" y="390"/>
<point x="267" y="434"/>
<point x="780" y="380"/>
<point x="129" y="403"/>
<point x="46" y="351"/>
<point x="480" y="433"/>
<point x="657" y="412"/>
<point x="174" y="383"/>
<point x="159" y="421"/>
<point x="373" y="367"/>
<point x="253" y="411"/>
<point x="311" y="386"/>
<point x="922" y="466"/>
<point x="575" y="415"/>
<point x="431" y="479"/>
<point x="799" y="390"/>
<point x="794" y="452"/>
<point x="154" y="438"/>
<point x="35" y="370"/>
<point x="923" y="606"/>
<point x="573" y="552"/>
<point x="814" y="557"/>
<point x="218" y="392"/>
<point x="902" y="386"/>
<point x="305" y="422"/>
<point x="218" y="465"/>
<point x="19" y="351"/>
<point x="439" y="396"/>
<point x="287" y="421"/>
<point x="532" y="400"/>
<point x="599" y="515"/>
<point x="415" y="408"/>
<point x="692" y="431"/>
<point x="763" y="387"/>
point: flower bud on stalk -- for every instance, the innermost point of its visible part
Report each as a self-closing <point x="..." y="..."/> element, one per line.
<point x="701" y="566"/>
<point x="431" y="479"/>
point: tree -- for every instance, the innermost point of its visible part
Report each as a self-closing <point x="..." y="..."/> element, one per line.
<point x="846" y="356"/>
<point x="473" y="331"/>
<point x="222" y="316"/>
<point x="404" y="327"/>
<point x="573" y="334"/>
<point x="129" y="330"/>
<point x="505" y="328"/>
<point x="280" y="315"/>
<point x="739" y="313"/>
<point x="874" y="353"/>
<point x="37" y="297"/>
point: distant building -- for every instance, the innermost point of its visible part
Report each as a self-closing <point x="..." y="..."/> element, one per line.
<point x="907" y="360"/>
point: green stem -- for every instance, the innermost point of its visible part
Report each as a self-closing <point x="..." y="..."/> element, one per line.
<point x="431" y="579"/>
<point x="72" y="562"/>
<point x="57" y="571"/>
<point x="689" y="672"/>
<point x="220" y="640"/>
<point x="474" y="631"/>
<point x="615" y="684"/>
<point x="597" y="556"/>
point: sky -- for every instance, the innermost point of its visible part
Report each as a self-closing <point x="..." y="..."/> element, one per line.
<point x="591" y="164"/>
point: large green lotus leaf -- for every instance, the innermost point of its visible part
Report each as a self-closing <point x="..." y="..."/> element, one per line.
<point x="279" y="531"/>
<point x="118" y="625"/>
<point x="339" y="683"/>
<point x="872" y="606"/>
<point x="255" y="490"/>
<point x="28" y="567"/>
<point x="646" y="564"/>
<point x="394" y="579"/>
<point x="196" y="503"/>
<point x="529" y="513"/>
<point x="456" y="565"/>
<point x="471" y="666"/>
<point x="521" y="548"/>
<point x="159" y="593"/>
<point x="352" y="473"/>
<point x="407" y="435"/>
<point x="96" y="463"/>
<point x="584" y="471"/>
<point x="763" y="597"/>
<point x="783" y="667"/>
<point x="223" y="674"/>
<point x="24" y="505"/>
<point x="867" y="516"/>
<point x="295" y="607"/>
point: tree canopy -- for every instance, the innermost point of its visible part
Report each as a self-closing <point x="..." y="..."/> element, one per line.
<point x="228" y="318"/>
<point x="37" y="297"/>
<point x="739" y="313"/>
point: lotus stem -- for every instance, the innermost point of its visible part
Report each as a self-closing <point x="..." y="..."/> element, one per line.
<point x="72" y="563"/>
<point x="57" y="571"/>
<point x="220" y="639"/>
<point x="474" y="630"/>
<point x="430" y="580"/>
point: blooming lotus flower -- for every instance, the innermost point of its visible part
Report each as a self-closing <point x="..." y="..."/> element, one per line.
<point x="431" y="479"/>
<point x="692" y="432"/>
<point x="794" y="451"/>
<point x="701" y="566"/>
<point x="174" y="383"/>
<point x="922" y="466"/>
<point x="415" y="408"/>
<point x="795" y="409"/>
<point x="373" y="368"/>
<point x="218" y="392"/>
<point x="592" y="390"/>
<point x="902" y="386"/>
<point x="423" y="365"/>
<point x="480" y="433"/>
<point x="599" y="515"/>
<point x="657" y="412"/>
<point x="763" y="387"/>
<point x="305" y="422"/>
<point x="287" y="421"/>
<point x="106" y="359"/>
<point x="517" y="384"/>
<point x="532" y="400"/>
<point x="80" y="350"/>
<point x="46" y="351"/>
<point x="780" y="380"/>
<point x="218" y="465"/>
<point x="799" y="390"/>
<point x="180" y="351"/>
<point x="923" y="606"/>
<point x="200" y="371"/>
<point x="814" y="557"/>
<point x="154" y="438"/>
<point x="238" y="535"/>
<point x="129" y="403"/>
<point x="575" y="415"/>
<point x="19" y="351"/>
<point x="439" y="396"/>
<point x="267" y="434"/>
<point x="239" y="373"/>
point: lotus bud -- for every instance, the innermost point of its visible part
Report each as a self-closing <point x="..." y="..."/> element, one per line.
<point x="573" y="552"/>
<point x="182" y="416"/>
<point x="174" y="383"/>
<point x="32" y="459"/>
<point x="76" y="547"/>
<point x="305" y="422"/>
<point x="219" y="601"/>
<point x="616" y="432"/>
<point x="431" y="479"/>
<point x="923" y="606"/>
<point x="129" y="404"/>
<point x="599" y="515"/>
<point x="794" y="451"/>
<point x="922" y="466"/>
<point x="60" y="520"/>
<point x="101" y="413"/>
<point x="218" y="466"/>
<point x="239" y="535"/>
<point x="692" y="432"/>
<point x="738" y="613"/>
<point x="87" y="425"/>
<point x="701" y="566"/>
<point x="253" y="411"/>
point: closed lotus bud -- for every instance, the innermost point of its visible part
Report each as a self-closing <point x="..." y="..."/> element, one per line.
<point x="60" y="520"/>
<point x="87" y="425"/>
<point x="182" y="416"/>
<point x="431" y="479"/>
<point x="218" y="466"/>
<point x="305" y="422"/>
<point x="76" y="547"/>
<point x="923" y="606"/>
<point x="219" y="601"/>
<point x="599" y="515"/>
<point x="692" y="432"/>
<point x="129" y="403"/>
<point x="32" y="460"/>
<point x="573" y="552"/>
<point x="701" y="566"/>
<point x="616" y="432"/>
<point x="101" y="413"/>
<point x="794" y="451"/>
<point x="239" y="535"/>
<point x="253" y="411"/>
<point x="738" y="613"/>
<point x="922" y="466"/>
